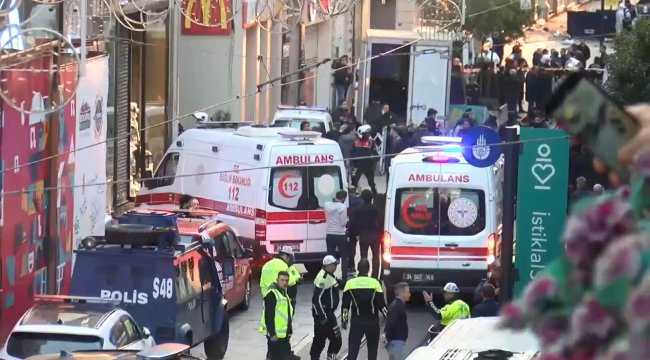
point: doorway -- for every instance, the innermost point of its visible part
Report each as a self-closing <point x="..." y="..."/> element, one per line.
<point x="389" y="77"/>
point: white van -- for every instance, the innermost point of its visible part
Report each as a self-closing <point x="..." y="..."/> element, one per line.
<point x="479" y="338"/>
<point x="293" y="116"/>
<point x="269" y="184"/>
<point x="443" y="218"/>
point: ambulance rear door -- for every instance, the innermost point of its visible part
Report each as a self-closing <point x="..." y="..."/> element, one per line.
<point x="287" y="203"/>
<point x="414" y="235"/>
<point x="326" y="176"/>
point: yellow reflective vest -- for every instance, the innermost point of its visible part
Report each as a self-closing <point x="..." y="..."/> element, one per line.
<point x="294" y="275"/>
<point x="281" y="319"/>
<point x="270" y="272"/>
<point x="456" y="309"/>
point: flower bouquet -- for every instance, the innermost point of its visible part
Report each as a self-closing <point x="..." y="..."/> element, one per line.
<point x="594" y="301"/>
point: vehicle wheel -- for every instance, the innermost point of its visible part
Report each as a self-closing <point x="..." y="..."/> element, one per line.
<point x="313" y="268"/>
<point x="216" y="346"/>
<point x="247" y="295"/>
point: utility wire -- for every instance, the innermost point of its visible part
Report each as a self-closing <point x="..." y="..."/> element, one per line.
<point x="240" y="170"/>
<point x="127" y="135"/>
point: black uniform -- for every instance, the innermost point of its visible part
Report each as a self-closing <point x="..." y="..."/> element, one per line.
<point x="363" y="298"/>
<point x="323" y="304"/>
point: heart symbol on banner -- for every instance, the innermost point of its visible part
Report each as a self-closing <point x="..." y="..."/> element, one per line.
<point x="543" y="172"/>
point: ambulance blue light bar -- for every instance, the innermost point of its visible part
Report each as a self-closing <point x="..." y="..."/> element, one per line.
<point x="62" y="299"/>
<point x="302" y="107"/>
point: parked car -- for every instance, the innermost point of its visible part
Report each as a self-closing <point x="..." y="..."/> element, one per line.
<point x="65" y="323"/>
<point x="233" y="261"/>
<point x="168" y="351"/>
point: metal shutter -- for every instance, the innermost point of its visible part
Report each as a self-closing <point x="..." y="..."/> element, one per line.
<point x="122" y="119"/>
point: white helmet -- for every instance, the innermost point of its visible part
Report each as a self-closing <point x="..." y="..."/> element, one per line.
<point x="451" y="288"/>
<point x="201" y="116"/>
<point x="363" y="129"/>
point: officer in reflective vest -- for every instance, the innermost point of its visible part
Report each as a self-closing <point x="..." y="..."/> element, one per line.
<point x="455" y="308"/>
<point x="324" y="303"/>
<point x="363" y="298"/>
<point x="272" y="267"/>
<point x="276" y="318"/>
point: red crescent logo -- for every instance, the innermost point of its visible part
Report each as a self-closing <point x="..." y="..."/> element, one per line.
<point x="281" y="182"/>
<point x="404" y="211"/>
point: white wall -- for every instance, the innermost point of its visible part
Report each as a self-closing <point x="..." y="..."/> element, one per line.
<point x="212" y="69"/>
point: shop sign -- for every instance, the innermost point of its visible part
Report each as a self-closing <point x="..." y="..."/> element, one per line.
<point x="541" y="200"/>
<point x="215" y="12"/>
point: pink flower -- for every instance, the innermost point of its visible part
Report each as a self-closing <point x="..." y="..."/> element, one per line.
<point x="512" y="316"/>
<point x="591" y="321"/>
<point x="642" y="162"/>
<point x="538" y="291"/>
<point x="621" y="259"/>
<point x="637" y="309"/>
<point x="553" y="353"/>
<point x="551" y="329"/>
<point x="619" y="350"/>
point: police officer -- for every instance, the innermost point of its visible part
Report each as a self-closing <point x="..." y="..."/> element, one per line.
<point x="276" y="318"/>
<point x="294" y="278"/>
<point x="323" y="304"/>
<point x="364" y="299"/>
<point x="455" y="308"/>
<point x="363" y="150"/>
<point x="272" y="267"/>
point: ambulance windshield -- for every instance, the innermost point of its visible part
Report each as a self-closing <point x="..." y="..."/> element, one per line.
<point x="305" y="187"/>
<point x="440" y="211"/>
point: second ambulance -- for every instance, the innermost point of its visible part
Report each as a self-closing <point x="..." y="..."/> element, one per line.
<point x="443" y="218"/>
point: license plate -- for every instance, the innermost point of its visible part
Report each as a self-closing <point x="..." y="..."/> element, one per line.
<point x="417" y="277"/>
<point x="294" y="247"/>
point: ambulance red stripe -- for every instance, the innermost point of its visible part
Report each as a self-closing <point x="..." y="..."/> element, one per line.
<point x="272" y="218"/>
<point x="436" y="251"/>
<point x="435" y="258"/>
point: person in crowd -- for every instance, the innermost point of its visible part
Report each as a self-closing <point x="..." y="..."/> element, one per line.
<point x="324" y="303"/>
<point x="429" y="127"/>
<point x="564" y="56"/>
<point x="461" y="129"/>
<point x="556" y="60"/>
<point x="620" y="15"/>
<point x="581" y="190"/>
<point x="363" y="152"/>
<point x="339" y="114"/>
<point x="489" y="56"/>
<point x="342" y="78"/>
<point x="521" y="74"/>
<point x="335" y="133"/>
<point x="392" y="143"/>
<point x="346" y="143"/>
<point x="454" y="309"/>
<point x="396" y="329"/>
<point x="188" y="202"/>
<point x="516" y="55"/>
<point x="384" y="119"/>
<point x="511" y="84"/>
<point x="489" y="306"/>
<point x="537" y="57"/>
<point x="498" y="45"/>
<point x="364" y="222"/>
<point x="363" y="301"/>
<point x="277" y="316"/>
<point x="532" y="90"/>
<point x="598" y="189"/>
<point x="585" y="50"/>
<point x="304" y="126"/>
<point x="493" y="278"/>
<point x="336" y="218"/>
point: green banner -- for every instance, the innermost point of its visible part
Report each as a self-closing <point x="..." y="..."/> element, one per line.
<point x="542" y="188"/>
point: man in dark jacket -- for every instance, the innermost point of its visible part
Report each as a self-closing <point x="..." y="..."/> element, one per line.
<point x="342" y="77"/>
<point x="396" y="329"/>
<point x="494" y="276"/>
<point x="489" y="306"/>
<point x="323" y="304"/>
<point x="364" y="223"/>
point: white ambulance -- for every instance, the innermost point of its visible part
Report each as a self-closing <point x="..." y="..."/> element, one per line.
<point x="443" y="217"/>
<point x="293" y="116"/>
<point x="269" y="184"/>
<point x="479" y="338"/>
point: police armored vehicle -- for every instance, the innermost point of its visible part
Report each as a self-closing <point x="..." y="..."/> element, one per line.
<point x="169" y="286"/>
